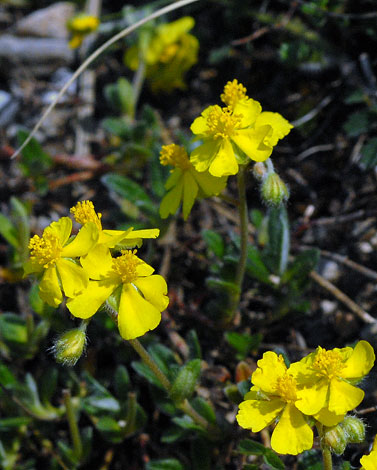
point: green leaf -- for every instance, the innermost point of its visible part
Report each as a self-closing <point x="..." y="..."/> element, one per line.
<point x="221" y="284"/>
<point x="117" y="126"/>
<point x="8" y="231"/>
<point x="165" y="464"/>
<point x="34" y="161"/>
<point x="214" y="242"/>
<point x="242" y="342"/>
<point x="144" y="371"/>
<point x="244" y="387"/>
<point x="165" y="358"/>
<point x="173" y="434"/>
<point x="277" y="250"/>
<point x="126" y="96"/>
<point x="273" y="459"/>
<point x="299" y="270"/>
<point x="194" y="345"/>
<point x="204" y="409"/>
<point x="13" y="329"/>
<point x="255" y="266"/>
<point x="121" y="382"/>
<point x="185" y="382"/>
<point x="357" y="123"/>
<point x="187" y="423"/>
<point x="9" y="424"/>
<point x="129" y="190"/>
<point x="249" y="447"/>
<point x="110" y="429"/>
<point x="369" y="154"/>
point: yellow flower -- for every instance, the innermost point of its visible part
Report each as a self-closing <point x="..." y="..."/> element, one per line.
<point x="327" y="379"/>
<point x="369" y="462"/>
<point x="84" y="212"/>
<point x="80" y="26"/>
<point x="53" y="255"/>
<point x="168" y="55"/>
<point x="229" y="133"/>
<point x="185" y="184"/>
<point x="274" y="397"/>
<point x="142" y="299"/>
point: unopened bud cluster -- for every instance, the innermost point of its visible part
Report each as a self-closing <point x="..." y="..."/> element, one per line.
<point x="350" y="431"/>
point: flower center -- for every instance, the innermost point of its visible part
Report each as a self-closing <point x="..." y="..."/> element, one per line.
<point x="45" y="250"/>
<point x="286" y="388"/>
<point x="328" y="363"/>
<point x="174" y="155"/>
<point x="169" y="52"/>
<point x="84" y="212"/>
<point x="222" y="123"/>
<point x="233" y="92"/>
<point x="125" y="266"/>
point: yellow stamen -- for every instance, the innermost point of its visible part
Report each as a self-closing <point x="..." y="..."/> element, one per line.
<point x="233" y="92"/>
<point x="84" y="212"/>
<point x="286" y="388"/>
<point x="174" y="155"/>
<point x="125" y="266"/>
<point x="222" y="123"/>
<point x="328" y="363"/>
<point x="169" y="52"/>
<point x="45" y="250"/>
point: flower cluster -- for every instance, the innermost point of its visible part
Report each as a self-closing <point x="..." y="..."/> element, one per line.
<point x="320" y="388"/>
<point x="235" y="133"/>
<point x="85" y="270"/>
<point x="231" y="135"/>
<point x="168" y="55"/>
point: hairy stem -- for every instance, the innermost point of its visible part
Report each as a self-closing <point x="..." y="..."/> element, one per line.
<point x="72" y="423"/>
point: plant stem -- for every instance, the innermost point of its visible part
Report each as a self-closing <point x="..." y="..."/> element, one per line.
<point x="137" y="84"/>
<point x="185" y="405"/>
<point x="149" y="361"/>
<point x="131" y="414"/>
<point x="327" y="460"/>
<point x="72" y="423"/>
<point x="242" y="209"/>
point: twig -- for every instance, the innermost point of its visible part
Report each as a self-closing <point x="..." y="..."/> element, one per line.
<point x="342" y="297"/>
<point x="312" y="150"/>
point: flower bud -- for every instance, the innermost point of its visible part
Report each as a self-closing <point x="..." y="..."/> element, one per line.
<point x="335" y="439"/>
<point x="354" y="429"/>
<point x="69" y="347"/>
<point x="273" y="190"/>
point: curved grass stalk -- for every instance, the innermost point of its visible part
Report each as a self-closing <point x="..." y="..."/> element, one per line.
<point x="94" y="55"/>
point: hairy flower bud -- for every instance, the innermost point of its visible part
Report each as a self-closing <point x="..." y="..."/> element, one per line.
<point x="273" y="190"/>
<point x="354" y="429"/>
<point x="259" y="171"/>
<point x="69" y="347"/>
<point x="335" y="439"/>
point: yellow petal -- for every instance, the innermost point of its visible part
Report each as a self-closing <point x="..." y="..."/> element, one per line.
<point x="83" y="242"/>
<point x="344" y="397"/>
<point x="313" y="398"/>
<point x="110" y="238"/>
<point x="171" y="201"/>
<point x="224" y="163"/>
<point x="328" y="418"/>
<point x="62" y="229"/>
<point x="98" y="262"/>
<point x="360" y="362"/>
<point x="190" y="191"/>
<point x="249" y="111"/>
<point x="270" y="368"/>
<point x="369" y="462"/>
<point x="257" y="414"/>
<point x="251" y="142"/>
<point x="74" y="278"/>
<point x="292" y="434"/>
<point x="86" y="304"/>
<point x="144" y="269"/>
<point x="154" y="290"/>
<point x="209" y="185"/>
<point x="280" y="126"/>
<point x="136" y="315"/>
<point x="49" y="288"/>
<point x="202" y="156"/>
<point x="199" y="126"/>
